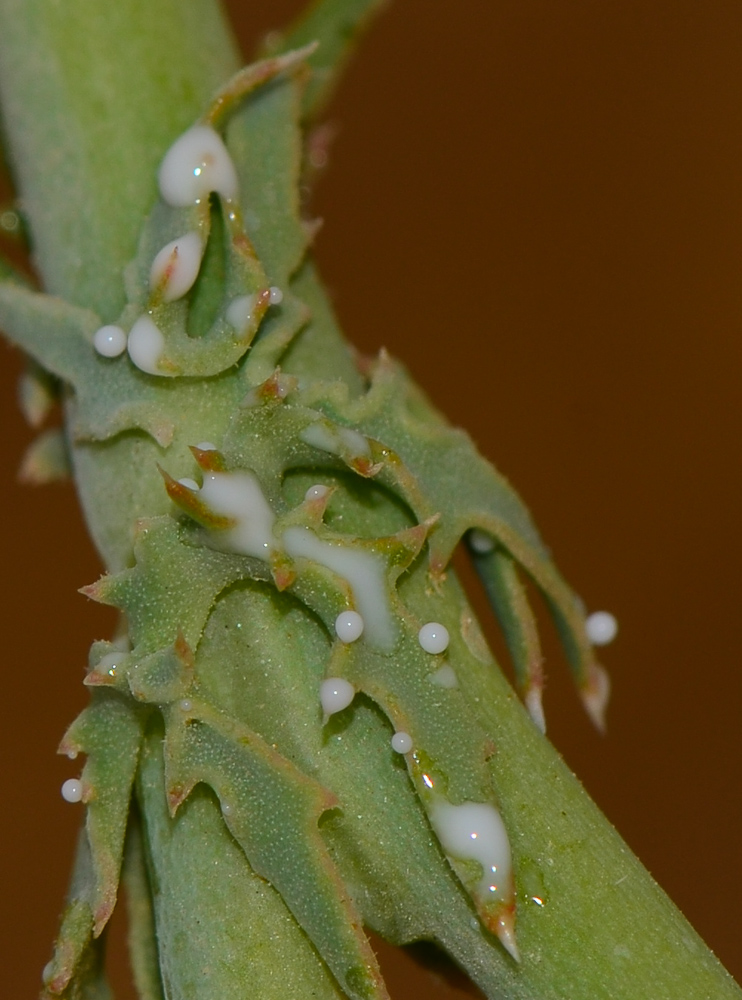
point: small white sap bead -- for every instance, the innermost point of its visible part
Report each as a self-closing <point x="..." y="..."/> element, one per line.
<point x="480" y="542"/>
<point x="335" y="694"/>
<point x="72" y="790"/>
<point x="433" y="637"/>
<point x="601" y="628"/>
<point x="316" y="491"/>
<point x="196" y="164"/>
<point x="445" y="677"/>
<point x="186" y="705"/>
<point x="402" y="742"/>
<point x="146" y="345"/>
<point x="178" y="263"/>
<point x="206" y="446"/>
<point x="239" y="311"/>
<point x="110" y="341"/>
<point x="189" y="484"/>
<point x="226" y="809"/>
<point x="276" y="297"/>
<point x="348" y="626"/>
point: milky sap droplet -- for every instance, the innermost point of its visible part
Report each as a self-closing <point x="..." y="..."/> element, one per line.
<point x="190" y="484"/>
<point x="335" y="694"/>
<point x="348" y="626"/>
<point x="176" y="266"/>
<point x="206" y="446"/>
<point x="601" y="628"/>
<point x="196" y="164"/>
<point x="109" y="341"/>
<point x="276" y="295"/>
<point x="239" y="311"/>
<point x="474" y="831"/>
<point x="433" y="637"/>
<point x="480" y="542"/>
<point x="72" y="790"/>
<point x="364" y="572"/>
<point x="238" y="495"/>
<point x="146" y="345"/>
<point x="402" y="742"/>
<point x="445" y="677"/>
<point x="316" y="492"/>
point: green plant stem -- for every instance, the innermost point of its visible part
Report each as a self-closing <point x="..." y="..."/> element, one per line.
<point x="92" y="97"/>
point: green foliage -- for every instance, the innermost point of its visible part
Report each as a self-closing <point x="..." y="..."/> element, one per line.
<point x="266" y="832"/>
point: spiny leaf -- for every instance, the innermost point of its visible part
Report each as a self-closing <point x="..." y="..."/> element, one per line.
<point x="272" y="811"/>
<point x="46" y="459"/>
<point x="336" y="25"/>
<point x="201" y="879"/>
<point x="109" y="731"/>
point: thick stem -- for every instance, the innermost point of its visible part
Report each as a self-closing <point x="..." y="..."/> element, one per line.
<point x="92" y="96"/>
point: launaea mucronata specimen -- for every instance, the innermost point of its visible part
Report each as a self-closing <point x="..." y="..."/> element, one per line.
<point x="298" y="729"/>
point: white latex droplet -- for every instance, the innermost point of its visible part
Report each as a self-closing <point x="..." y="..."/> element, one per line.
<point x="186" y="705"/>
<point x="196" y="164"/>
<point x="601" y="628"/>
<point x="348" y="626"/>
<point x="189" y="484"/>
<point x="315" y="492"/>
<point x="276" y="295"/>
<point x="239" y="311"/>
<point x="177" y="266"/>
<point x="402" y="742"/>
<point x="474" y="831"/>
<point x="433" y="637"/>
<point x="206" y="446"/>
<point x="109" y="341"/>
<point x="109" y="662"/>
<point x="445" y="677"/>
<point x="238" y="495"/>
<point x="72" y="790"/>
<point x="146" y="345"/>
<point x="226" y="809"/>
<point x="364" y="572"/>
<point x="335" y="694"/>
<point x="480" y="542"/>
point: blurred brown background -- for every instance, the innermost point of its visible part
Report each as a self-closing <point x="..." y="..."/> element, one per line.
<point x="538" y="207"/>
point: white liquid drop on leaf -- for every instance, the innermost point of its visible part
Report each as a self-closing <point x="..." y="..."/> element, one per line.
<point x="177" y="265"/>
<point x="433" y="637"/>
<point x="402" y="742"/>
<point x="601" y="628"/>
<point x="364" y="572"/>
<point x="238" y="495"/>
<point x="335" y="694"/>
<point x="348" y="626"/>
<point x="196" y="164"/>
<point x="146" y="345"/>
<point x="72" y="790"/>
<point x="109" y="341"/>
